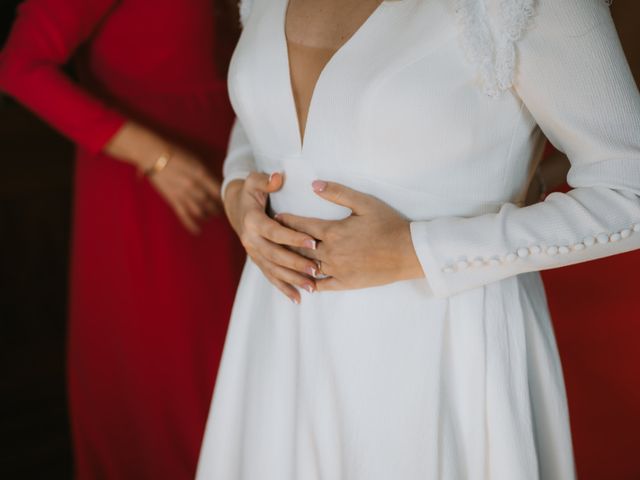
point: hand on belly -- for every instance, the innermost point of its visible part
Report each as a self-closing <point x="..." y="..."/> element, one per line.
<point x="370" y="247"/>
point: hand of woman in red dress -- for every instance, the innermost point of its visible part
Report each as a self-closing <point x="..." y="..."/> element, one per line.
<point x="188" y="187"/>
<point x="179" y="176"/>
<point x="264" y="239"/>
<point x="371" y="247"/>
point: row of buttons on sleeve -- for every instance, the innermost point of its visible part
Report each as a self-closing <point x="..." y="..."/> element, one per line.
<point x="524" y="252"/>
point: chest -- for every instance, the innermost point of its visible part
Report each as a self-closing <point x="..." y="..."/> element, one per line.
<point x="398" y="104"/>
<point x="326" y="24"/>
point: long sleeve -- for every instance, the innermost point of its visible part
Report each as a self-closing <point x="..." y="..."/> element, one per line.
<point x="44" y="37"/>
<point x="239" y="162"/>
<point x="574" y="79"/>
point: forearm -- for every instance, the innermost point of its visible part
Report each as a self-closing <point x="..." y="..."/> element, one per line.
<point x="44" y="37"/>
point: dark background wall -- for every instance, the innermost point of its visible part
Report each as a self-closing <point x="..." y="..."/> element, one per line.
<point x="35" y="202"/>
<point x="35" y="205"/>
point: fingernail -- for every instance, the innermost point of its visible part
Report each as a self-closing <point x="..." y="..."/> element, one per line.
<point x="309" y="288"/>
<point x="310" y="243"/>
<point x="319" y="186"/>
<point x="277" y="216"/>
<point x="296" y="301"/>
<point x="271" y="176"/>
<point x="312" y="271"/>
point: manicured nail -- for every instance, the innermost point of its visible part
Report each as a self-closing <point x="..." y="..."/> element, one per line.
<point x="309" y="288"/>
<point x="319" y="186"/>
<point x="296" y="301"/>
<point x="273" y="174"/>
<point x="312" y="271"/>
<point x="310" y="243"/>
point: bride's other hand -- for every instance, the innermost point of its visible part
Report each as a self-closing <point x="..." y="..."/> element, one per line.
<point x="371" y="247"/>
<point x="264" y="239"/>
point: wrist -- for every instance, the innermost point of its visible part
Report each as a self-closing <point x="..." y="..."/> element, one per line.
<point x="138" y="146"/>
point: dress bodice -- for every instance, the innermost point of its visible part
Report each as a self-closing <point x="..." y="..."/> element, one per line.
<point x="420" y="109"/>
<point x="395" y="113"/>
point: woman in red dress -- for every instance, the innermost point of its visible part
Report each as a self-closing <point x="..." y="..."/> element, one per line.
<point x="153" y="262"/>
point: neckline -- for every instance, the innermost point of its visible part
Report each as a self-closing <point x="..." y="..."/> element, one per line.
<point x="303" y="136"/>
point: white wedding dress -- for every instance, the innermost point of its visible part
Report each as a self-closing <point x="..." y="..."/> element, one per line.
<point x="435" y="107"/>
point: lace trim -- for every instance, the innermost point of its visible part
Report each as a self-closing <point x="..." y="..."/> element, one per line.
<point x="493" y="50"/>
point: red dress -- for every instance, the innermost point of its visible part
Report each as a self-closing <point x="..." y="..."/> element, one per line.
<point x="149" y="301"/>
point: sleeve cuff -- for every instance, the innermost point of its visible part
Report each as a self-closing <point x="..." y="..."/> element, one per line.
<point x="428" y="261"/>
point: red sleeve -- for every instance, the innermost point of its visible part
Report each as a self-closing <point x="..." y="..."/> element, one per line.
<point x="45" y="35"/>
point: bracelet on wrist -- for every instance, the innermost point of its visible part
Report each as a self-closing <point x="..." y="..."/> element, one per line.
<point x="161" y="162"/>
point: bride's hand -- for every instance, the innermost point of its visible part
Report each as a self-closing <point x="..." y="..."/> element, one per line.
<point x="264" y="239"/>
<point x="371" y="247"/>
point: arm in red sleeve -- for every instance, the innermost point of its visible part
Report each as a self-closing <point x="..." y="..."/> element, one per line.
<point x="45" y="35"/>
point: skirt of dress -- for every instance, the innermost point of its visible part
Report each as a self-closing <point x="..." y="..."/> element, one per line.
<point x="389" y="383"/>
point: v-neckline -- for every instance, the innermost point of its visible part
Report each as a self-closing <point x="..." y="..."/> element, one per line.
<point x="301" y="135"/>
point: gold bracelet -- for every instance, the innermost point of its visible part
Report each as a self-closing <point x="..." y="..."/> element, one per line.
<point x="159" y="164"/>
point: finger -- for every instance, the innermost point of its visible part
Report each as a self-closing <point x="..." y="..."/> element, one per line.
<point x="329" y="284"/>
<point x="265" y="183"/>
<point x="271" y="230"/>
<point x="312" y="226"/>
<point x="203" y="200"/>
<point x="284" y="279"/>
<point x="325" y="269"/>
<point x="211" y="186"/>
<point x="186" y="220"/>
<point x="308" y="253"/>
<point x="198" y="193"/>
<point x="287" y="290"/>
<point x="194" y="208"/>
<point x="293" y="278"/>
<point x="286" y="258"/>
<point x="358" y="202"/>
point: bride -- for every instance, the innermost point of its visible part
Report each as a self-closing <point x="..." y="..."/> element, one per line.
<point x="375" y="175"/>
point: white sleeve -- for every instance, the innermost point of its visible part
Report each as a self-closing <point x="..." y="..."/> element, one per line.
<point x="245" y="10"/>
<point x="574" y="79"/>
<point x="239" y="162"/>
